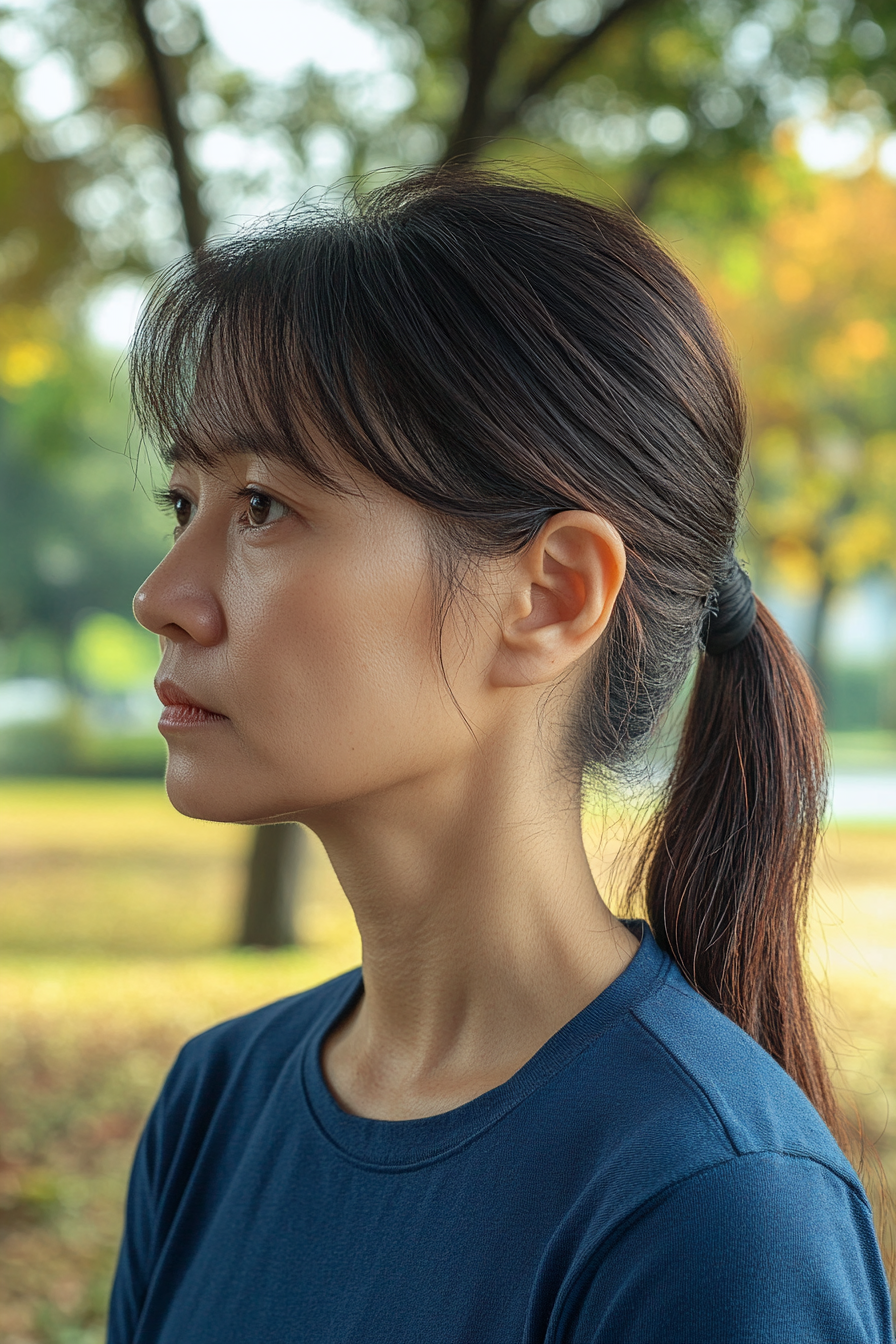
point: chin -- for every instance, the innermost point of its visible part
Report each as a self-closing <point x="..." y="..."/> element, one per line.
<point x="198" y="804"/>
<point x="194" y="793"/>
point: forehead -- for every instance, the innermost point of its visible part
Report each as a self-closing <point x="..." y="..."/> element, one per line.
<point x="239" y="398"/>
<point x="351" y="487"/>
<point x="219" y="434"/>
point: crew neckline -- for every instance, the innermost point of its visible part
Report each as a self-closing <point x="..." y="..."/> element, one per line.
<point x="401" y="1144"/>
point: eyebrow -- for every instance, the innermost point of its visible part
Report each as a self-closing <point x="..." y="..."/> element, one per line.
<point x="176" y="455"/>
<point x="185" y="451"/>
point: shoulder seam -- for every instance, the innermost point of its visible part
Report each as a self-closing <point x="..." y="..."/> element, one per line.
<point x="850" y="1179"/>
<point x="660" y="1195"/>
<point x="687" y="1074"/>
<point x="605" y="1243"/>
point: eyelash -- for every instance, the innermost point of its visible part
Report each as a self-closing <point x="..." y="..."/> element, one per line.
<point x="167" y="500"/>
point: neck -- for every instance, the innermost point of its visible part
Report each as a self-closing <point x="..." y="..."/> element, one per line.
<point x="483" y="933"/>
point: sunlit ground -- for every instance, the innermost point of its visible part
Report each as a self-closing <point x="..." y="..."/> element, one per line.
<point x="113" y="916"/>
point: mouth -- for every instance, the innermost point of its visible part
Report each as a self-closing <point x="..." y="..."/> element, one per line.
<point x="181" y="709"/>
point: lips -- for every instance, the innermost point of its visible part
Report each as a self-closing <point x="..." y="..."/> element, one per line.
<point x="181" y="709"/>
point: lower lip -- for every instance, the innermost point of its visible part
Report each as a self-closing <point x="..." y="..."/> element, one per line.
<point x="187" y="716"/>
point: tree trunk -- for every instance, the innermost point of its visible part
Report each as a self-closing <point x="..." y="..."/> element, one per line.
<point x="270" y="901"/>
<point x="489" y="31"/>
<point x="164" y="76"/>
<point x="270" y="898"/>
<point x="816" y="634"/>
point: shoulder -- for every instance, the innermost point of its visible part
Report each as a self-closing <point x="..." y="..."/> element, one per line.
<point x="246" y="1053"/>
<point x="764" y="1246"/>
<point x="217" y="1086"/>
<point x="672" y="1089"/>
<point x="724" y="1185"/>
<point x="680" y="1045"/>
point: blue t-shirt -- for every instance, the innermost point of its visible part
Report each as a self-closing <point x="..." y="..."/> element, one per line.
<point x="650" y="1176"/>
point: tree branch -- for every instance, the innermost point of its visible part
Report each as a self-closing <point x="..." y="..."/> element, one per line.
<point x="642" y="190"/>
<point x="489" y="128"/>
<point x="543" y="77"/>
<point x="162" y="76"/>
<point x="487" y="34"/>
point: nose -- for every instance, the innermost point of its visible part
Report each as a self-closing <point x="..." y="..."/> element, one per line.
<point x="177" y="603"/>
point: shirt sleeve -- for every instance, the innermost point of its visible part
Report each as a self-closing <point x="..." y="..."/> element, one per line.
<point x="766" y="1248"/>
<point x="137" y="1251"/>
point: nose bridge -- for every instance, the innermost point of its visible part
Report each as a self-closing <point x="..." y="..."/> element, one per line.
<point x="181" y="597"/>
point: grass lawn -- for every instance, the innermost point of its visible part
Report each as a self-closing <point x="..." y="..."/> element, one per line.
<point x="115" y="917"/>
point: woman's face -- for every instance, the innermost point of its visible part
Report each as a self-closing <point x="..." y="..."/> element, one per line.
<point x="303" y="621"/>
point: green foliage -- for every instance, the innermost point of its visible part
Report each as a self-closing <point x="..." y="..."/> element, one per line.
<point x="856" y="699"/>
<point x="109" y="654"/>
<point x="69" y="747"/>
<point x="648" y="90"/>
<point x="77" y="537"/>
<point x="77" y="531"/>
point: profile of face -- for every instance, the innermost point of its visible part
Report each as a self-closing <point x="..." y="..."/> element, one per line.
<point x="303" y="621"/>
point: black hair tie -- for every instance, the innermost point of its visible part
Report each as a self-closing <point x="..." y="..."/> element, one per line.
<point x="730" y="609"/>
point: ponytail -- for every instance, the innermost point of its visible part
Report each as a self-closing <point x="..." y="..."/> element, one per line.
<point x="727" y="865"/>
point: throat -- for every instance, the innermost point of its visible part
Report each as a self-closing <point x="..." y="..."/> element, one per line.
<point x="372" y="1075"/>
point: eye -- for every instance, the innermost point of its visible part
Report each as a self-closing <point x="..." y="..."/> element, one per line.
<point x="261" y="508"/>
<point x="172" y="501"/>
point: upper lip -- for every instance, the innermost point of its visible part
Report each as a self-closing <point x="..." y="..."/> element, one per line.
<point x="170" y="693"/>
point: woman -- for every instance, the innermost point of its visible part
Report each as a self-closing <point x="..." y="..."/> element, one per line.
<point x="455" y="480"/>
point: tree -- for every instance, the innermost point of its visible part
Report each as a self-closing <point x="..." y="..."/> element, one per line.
<point x="71" y="539"/>
<point x="809" y="295"/>
<point x="634" y="91"/>
<point x="168" y="87"/>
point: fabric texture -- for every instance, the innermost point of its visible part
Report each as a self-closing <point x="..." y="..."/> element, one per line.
<point x="650" y="1176"/>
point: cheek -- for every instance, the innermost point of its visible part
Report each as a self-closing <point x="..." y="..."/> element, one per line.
<point x="338" y="666"/>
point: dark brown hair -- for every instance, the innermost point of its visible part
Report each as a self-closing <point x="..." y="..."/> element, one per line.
<point x="499" y="352"/>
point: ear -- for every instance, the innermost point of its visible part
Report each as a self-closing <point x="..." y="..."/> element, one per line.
<point x="562" y="593"/>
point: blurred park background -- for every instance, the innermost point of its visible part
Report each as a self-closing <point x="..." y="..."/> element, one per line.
<point x="756" y="138"/>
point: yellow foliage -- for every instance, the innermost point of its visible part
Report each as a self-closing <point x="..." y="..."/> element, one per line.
<point x="841" y="240"/>
<point x="863" y="340"/>
<point x="777" y="451"/>
<point x="796" y="565"/>
<point x="741" y="265"/>
<point x="880" y="452"/>
<point x="833" y="218"/>
<point x="29" y="346"/>
<point x="830" y="359"/>
<point x="27" y="362"/>
<point x="861" y="541"/>
<point x="792" y="282"/>
<point x="778" y="384"/>
<point x="676" y="50"/>
<point x="866" y="339"/>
